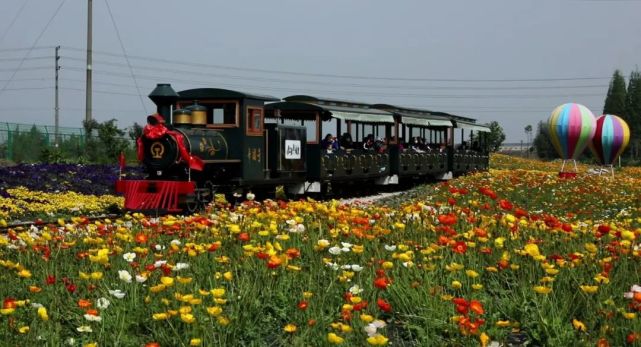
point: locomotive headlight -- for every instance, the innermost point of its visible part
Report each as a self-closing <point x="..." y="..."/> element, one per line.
<point x="159" y="173"/>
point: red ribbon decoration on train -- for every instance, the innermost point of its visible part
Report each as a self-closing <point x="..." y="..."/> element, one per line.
<point x="157" y="131"/>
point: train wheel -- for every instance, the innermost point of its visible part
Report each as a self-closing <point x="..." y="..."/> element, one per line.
<point x="193" y="203"/>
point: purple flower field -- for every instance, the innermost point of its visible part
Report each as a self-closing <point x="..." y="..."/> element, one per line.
<point x="85" y="179"/>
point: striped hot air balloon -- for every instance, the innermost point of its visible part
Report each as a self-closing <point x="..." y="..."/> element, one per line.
<point x="611" y="137"/>
<point x="571" y="128"/>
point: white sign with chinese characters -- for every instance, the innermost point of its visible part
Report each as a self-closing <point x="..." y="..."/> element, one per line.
<point x="292" y="149"/>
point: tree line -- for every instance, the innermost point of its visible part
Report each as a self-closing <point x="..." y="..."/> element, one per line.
<point x="621" y="100"/>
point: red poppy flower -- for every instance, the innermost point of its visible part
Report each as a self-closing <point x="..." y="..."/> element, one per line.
<point x="381" y="283"/>
<point x="347" y="296"/>
<point x="460" y="301"/>
<point x="141" y="238"/>
<point x="447" y="219"/>
<point x="213" y="247"/>
<point x="488" y="192"/>
<point x="262" y="255"/>
<point x="384" y="305"/>
<point x="476" y="307"/>
<point x="152" y="344"/>
<point x="506" y="205"/>
<point x="302" y="305"/>
<point x="443" y="240"/>
<point x="461" y="309"/>
<point x="51" y="279"/>
<point x="9" y="302"/>
<point x="244" y="237"/>
<point x="459" y="247"/>
<point x="346" y="315"/>
<point x="71" y="288"/>
<point x="274" y="262"/>
<point x="292" y="253"/>
<point x="519" y="212"/>
<point x="479" y="232"/>
<point x="360" y="306"/>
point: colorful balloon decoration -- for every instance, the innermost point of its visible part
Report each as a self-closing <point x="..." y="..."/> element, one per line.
<point x="611" y="137"/>
<point x="571" y="128"/>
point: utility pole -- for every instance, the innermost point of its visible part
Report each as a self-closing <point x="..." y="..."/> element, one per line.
<point x="89" y="67"/>
<point x="56" y="107"/>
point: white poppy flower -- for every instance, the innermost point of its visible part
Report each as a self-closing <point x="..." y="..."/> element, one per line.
<point x="335" y="250"/>
<point x="389" y="248"/>
<point x="129" y="257"/>
<point x="124" y="276"/>
<point x="356" y="267"/>
<point x="84" y="329"/>
<point x="140" y="278"/>
<point x="103" y="303"/>
<point x="180" y="266"/>
<point x="355" y="289"/>
<point x="117" y="293"/>
<point x="92" y="318"/>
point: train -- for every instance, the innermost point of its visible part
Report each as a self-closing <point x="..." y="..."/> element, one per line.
<point x="206" y="141"/>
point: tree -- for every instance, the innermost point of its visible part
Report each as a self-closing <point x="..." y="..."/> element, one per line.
<point x="615" y="101"/>
<point x="495" y="137"/>
<point x="135" y="131"/>
<point x="105" y="146"/>
<point x="633" y="111"/>
<point x="543" y="144"/>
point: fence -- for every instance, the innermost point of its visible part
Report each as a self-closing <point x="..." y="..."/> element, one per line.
<point x="33" y="143"/>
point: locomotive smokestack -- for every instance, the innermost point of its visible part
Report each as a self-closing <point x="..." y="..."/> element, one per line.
<point x="164" y="96"/>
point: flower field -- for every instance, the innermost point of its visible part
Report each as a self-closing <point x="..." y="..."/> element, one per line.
<point x="43" y="190"/>
<point x="514" y="256"/>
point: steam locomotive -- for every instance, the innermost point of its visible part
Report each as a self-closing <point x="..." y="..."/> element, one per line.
<point x="210" y="140"/>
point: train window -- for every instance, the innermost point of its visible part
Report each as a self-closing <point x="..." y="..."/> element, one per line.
<point x="310" y="126"/>
<point x="223" y="113"/>
<point x="254" y="121"/>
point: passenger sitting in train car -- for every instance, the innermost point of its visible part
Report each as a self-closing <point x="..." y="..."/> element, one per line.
<point x="416" y="145"/>
<point x="346" y="142"/>
<point x="368" y="143"/>
<point x="380" y="146"/>
<point x="329" y="143"/>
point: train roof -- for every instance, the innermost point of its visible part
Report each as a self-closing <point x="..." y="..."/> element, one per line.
<point x="341" y="109"/>
<point x="218" y="93"/>
<point x="415" y="116"/>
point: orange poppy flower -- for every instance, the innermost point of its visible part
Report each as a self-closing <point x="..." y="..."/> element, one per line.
<point x="84" y="303"/>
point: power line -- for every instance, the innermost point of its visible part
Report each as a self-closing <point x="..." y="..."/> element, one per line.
<point x="124" y="53"/>
<point x="354" y="85"/>
<point x="18" y="49"/>
<point x="29" y="58"/>
<point x="20" y="68"/>
<point x="343" y="92"/>
<point x="13" y="21"/>
<point x="33" y="45"/>
<point x="382" y="78"/>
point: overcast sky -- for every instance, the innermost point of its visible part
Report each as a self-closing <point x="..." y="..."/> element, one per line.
<point x="510" y="61"/>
